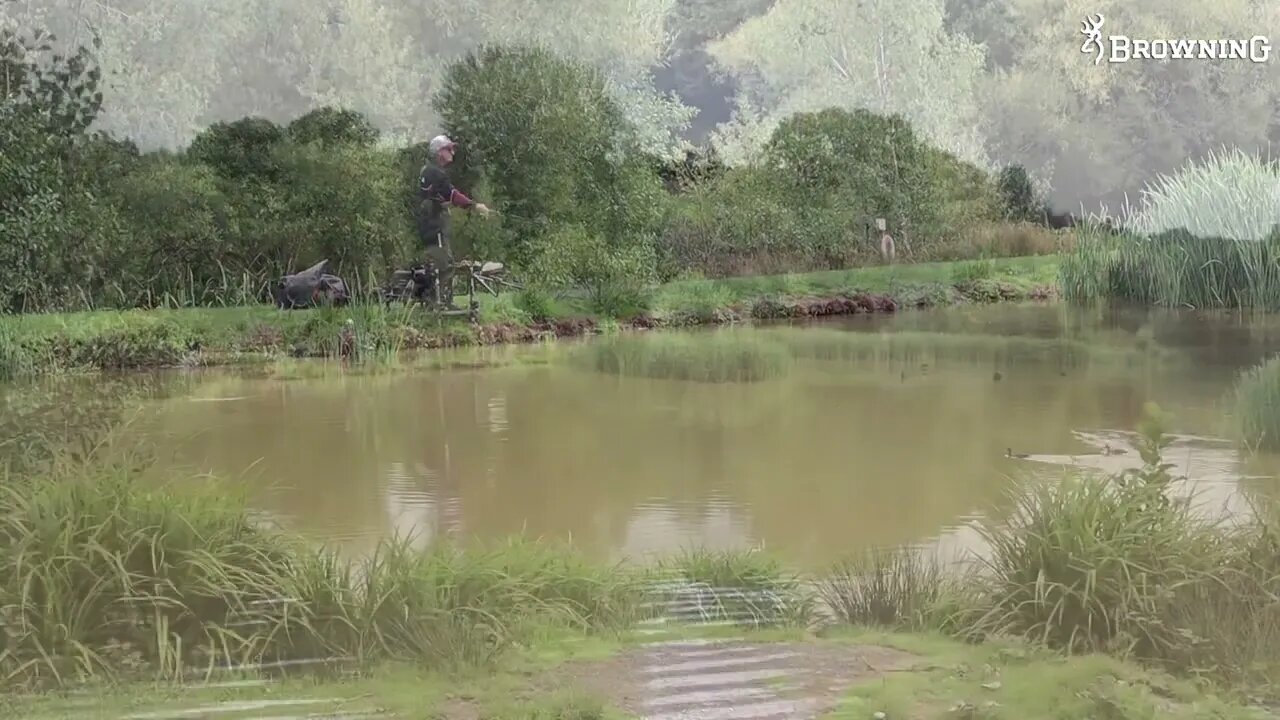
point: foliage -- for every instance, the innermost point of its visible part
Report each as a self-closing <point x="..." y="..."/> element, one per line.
<point x="892" y="58"/>
<point x="1018" y="195"/>
<point x="552" y="144"/>
<point x="333" y="126"/>
<point x="1255" y="403"/>
<point x="1230" y="195"/>
<point x="574" y="257"/>
<point x="240" y="151"/>
<point x="46" y="104"/>
<point x="1173" y="269"/>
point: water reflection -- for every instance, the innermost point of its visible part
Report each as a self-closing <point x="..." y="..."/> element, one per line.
<point x="901" y="440"/>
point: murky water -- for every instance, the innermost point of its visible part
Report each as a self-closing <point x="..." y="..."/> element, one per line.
<point x="885" y="430"/>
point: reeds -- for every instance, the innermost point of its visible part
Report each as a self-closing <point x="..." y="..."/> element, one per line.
<point x="714" y="357"/>
<point x="1255" y="403"/>
<point x="1174" y="269"/>
<point x="1229" y="194"/>
<point x="100" y="573"/>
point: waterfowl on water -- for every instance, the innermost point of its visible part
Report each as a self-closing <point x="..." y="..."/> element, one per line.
<point x="1008" y="452"/>
<point x="1108" y="450"/>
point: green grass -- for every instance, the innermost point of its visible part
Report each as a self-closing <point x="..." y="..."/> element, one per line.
<point x="109" y="340"/>
<point x="719" y="356"/>
<point x="1174" y="269"/>
<point x="1007" y="680"/>
<point x="897" y="348"/>
<point x="1255" y="403"/>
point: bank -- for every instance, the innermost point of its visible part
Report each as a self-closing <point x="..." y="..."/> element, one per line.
<point x="112" y="340"/>
<point x="851" y="673"/>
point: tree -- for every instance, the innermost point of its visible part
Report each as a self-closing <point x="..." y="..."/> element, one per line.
<point x="553" y="145"/>
<point x="887" y="56"/>
<point x="1099" y="133"/>
<point x="46" y="104"/>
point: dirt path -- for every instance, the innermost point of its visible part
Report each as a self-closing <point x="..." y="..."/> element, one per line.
<point x="732" y="679"/>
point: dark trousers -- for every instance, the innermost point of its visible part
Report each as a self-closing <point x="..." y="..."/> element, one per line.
<point x="438" y="257"/>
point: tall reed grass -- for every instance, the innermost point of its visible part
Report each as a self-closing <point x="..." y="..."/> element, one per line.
<point x="714" y="357"/>
<point x="1173" y="269"/>
<point x="1230" y="194"/>
<point x="100" y="573"/>
<point x="1255" y="403"/>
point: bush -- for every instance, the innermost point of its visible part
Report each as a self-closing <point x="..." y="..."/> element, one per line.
<point x="46" y="105"/>
<point x="870" y="166"/>
<point x="1018" y="195"/>
<point x="613" y="274"/>
<point x="741" y="224"/>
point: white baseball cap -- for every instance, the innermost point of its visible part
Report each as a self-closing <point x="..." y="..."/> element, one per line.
<point x="441" y="142"/>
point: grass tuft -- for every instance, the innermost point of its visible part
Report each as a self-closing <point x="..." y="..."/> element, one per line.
<point x="717" y="357"/>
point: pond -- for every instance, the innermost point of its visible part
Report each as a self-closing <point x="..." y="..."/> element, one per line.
<point x="881" y="430"/>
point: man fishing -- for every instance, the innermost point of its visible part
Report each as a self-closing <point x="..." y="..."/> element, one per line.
<point x="435" y="191"/>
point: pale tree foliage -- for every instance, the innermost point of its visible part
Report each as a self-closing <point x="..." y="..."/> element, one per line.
<point x="887" y="56"/>
<point x="623" y="38"/>
<point x="157" y="81"/>
<point x="341" y="53"/>
<point x="1095" y="131"/>
<point x="175" y="66"/>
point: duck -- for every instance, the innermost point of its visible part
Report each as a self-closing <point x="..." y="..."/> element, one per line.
<point x="1009" y="453"/>
<point x="1108" y="450"/>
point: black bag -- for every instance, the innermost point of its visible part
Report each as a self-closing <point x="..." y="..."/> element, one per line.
<point x="310" y="288"/>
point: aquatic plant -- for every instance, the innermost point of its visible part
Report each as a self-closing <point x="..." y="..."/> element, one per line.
<point x="899" y="587"/>
<point x="1173" y="269"/>
<point x="1255" y="403"/>
<point x="719" y="356"/>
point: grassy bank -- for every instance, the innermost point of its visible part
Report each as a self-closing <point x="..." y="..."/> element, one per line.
<point x="946" y="678"/>
<point x="44" y="343"/>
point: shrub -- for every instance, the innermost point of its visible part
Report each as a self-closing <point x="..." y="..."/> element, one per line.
<point x="177" y="231"/>
<point x="1230" y="194"/>
<point x="611" y="273"/>
<point x="338" y="203"/>
<point x="1018" y="196"/>
<point x="741" y="224"/>
<point x="871" y="166"/>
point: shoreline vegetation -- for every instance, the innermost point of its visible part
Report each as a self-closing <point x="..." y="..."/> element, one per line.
<point x="38" y="344"/>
